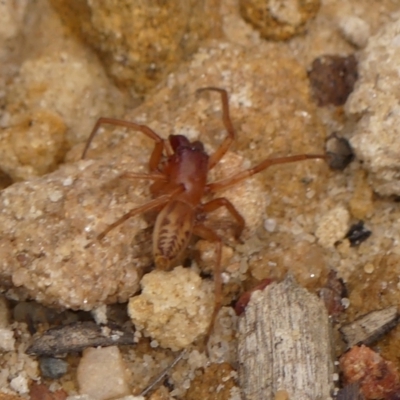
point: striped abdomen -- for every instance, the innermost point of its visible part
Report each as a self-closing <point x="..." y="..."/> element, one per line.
<point x="172" y="232"/>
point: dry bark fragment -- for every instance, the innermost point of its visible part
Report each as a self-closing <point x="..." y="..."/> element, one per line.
<point x="285" y="344"/>
<point x="78" y="336"/>
<point x="370" y="327"/>
<point x="332" y="293"/>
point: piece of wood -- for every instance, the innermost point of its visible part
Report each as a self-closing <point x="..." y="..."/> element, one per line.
<point x="370" y="327"/>
<point x="78" y="336"/>
<point x="284" y="345"/>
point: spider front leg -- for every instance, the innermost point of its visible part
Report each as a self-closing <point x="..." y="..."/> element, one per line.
<point x="159" y="142"/>
<point x="151" y="205"/>
<point x="240" y="176"/>
<point x="224" y="146"/>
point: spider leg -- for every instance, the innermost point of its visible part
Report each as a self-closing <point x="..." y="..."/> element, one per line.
<point x="223" y="148"/>
<point x="158" y="147"/>
<point x="240" y="176"/>
<point x="151" y="205"/>
<point x="223" y="202"/>
<point x="209" y="235"/>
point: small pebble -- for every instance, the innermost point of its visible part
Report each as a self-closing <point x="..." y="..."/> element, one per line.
<point x="345" y="302"/>
<point x="100" y="314"/>
<point x="355" y="30"/>
<point x="52" y="368"/>
<point x="339" y="152"/>
<point x="270" y="225"/>
<point x="55" y="195"/>
<point x="101" y="373"/>
<point x="20" y="384"/>
<point x="7" y="341"/>
<point x="369" y="268"/>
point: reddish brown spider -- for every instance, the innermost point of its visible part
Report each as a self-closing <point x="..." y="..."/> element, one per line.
<point x="180" y="181"/>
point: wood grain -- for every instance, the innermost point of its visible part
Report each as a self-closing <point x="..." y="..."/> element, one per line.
<point x="285" y="345"/>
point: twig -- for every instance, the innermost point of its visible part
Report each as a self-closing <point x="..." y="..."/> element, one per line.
<point x="160" y="377"/>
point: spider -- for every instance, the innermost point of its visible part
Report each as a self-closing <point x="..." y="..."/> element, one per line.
<point x="179" y="170"/>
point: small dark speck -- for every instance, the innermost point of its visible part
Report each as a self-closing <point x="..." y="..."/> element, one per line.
<point x="339" y="152"/>
<point x="187" y="263"/>
<point x="357" y="234"/>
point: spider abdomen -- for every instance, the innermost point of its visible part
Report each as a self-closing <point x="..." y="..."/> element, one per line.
<point x="172" y="232"/>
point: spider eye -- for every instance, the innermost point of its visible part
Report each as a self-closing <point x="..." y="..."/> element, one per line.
<point x="197" y="145"/>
